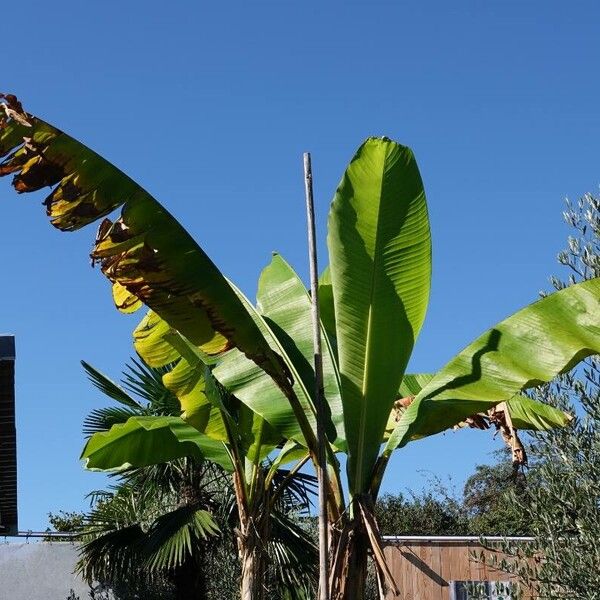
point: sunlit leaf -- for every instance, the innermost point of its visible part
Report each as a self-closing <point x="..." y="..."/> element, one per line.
<point x="528" y="348"/>
<point x="143" y="441"/>
<point x="380" y="264"/>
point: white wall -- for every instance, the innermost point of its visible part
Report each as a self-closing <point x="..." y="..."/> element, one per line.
<point x="39" y="571"/>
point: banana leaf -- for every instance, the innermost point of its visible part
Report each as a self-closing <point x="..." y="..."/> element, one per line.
<point x="284" y="302"/>
<point x="246" y="381"/>
<point x="380" y="267"/>
<point x="527" y="349"/>
<point x="143" y="441"/>
<point x="146" y="253"/>
<point x="526" y="413"/>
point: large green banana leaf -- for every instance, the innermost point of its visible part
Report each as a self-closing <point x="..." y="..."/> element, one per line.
<point x="256" y="390"/>
<point x="143" y="441"/>
<point x="528" y="348"/>
<point x="327" y="307"/>
<point x="525" y="413"/>
<point x="285" y="304"/>
<point x="413" y="383"/>
<point x="145" y="251"/>
<point x="380" y="265"/>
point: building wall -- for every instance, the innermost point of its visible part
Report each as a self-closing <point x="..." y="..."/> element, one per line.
<point x="8" y="438"/>
<point x="424" y="569"/>
<point x="39" y="571"/>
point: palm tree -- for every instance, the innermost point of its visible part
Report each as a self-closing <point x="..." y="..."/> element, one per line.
<point x="374" y="295"/>
<point x="159" y="522"/>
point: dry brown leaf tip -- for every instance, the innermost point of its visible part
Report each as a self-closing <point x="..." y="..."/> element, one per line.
<point x="13" y="109"/>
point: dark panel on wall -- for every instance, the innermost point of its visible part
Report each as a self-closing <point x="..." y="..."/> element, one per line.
<point x="8" y="438"/>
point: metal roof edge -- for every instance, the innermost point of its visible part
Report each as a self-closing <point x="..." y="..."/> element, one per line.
<point x="455" y="538"/>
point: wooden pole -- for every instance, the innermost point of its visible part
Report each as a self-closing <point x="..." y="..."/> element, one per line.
<point x="319" y="394"/>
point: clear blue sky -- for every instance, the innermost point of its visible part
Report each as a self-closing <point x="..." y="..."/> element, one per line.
<point x="210" y="106"/>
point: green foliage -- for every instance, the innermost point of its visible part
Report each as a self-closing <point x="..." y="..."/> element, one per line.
<point x="380" y="266"/>
<point x="283" y="310"/>
<point x="563" y="329"/>
<point x="170" y="527"/>
<point x="66" y="521"/>
<point x="562" y="506"/>
<point x="493" y="500"/>
<point x="490" y="504"/>
<point x="428" y="513"/>
<point x="153" y="526"/>
<point x="145" y="441"/>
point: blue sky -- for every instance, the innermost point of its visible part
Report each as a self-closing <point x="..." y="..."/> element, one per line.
<point x="210" y="106"/>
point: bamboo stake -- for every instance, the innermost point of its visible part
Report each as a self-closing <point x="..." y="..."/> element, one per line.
<point x="319" y="394"/>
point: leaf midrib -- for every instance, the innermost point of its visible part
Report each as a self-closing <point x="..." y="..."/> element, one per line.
<point x="363" y="408"/>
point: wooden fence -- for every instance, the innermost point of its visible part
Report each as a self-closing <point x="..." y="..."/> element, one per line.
<point x="425" y="568"/>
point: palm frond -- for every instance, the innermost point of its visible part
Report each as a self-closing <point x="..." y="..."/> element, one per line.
<point x="108" y="387"/>
<point x="175" y="536"/>
<point x="113" y="538"/>
<point x="295" y="490"/>
<point x="294" y="557"/>
<point x="168" y="479"/>
<point x="147" y="383"/>
<point x="107" y="556"/>
<point x="102" y="419"/>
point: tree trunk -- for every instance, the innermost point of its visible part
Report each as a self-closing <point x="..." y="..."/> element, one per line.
<point x="349" y="562"/>
<point x="189" y="581"/>
<point x="253" y="570"/>
<point x="356" y="580"/>
<point x="252" y="536"/>
<point x="353" y="542"/>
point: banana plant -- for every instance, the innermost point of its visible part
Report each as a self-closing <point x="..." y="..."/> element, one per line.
<point x="374" y="298"/>
<point x="149" y="257"/>
<point x="202" y="422"/>
<point x="380" y="266"/>
<point x="289" y="319"/>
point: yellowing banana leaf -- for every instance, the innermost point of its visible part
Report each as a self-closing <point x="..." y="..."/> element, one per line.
<point x="143" y="441"/>
<point x="202" y="404"/>
<point x="380" y="264"/>
<point x="159" y="344"/>
<point x="124" y="300"/>
<point x="528" y="348"/>
<point x="255" y="439"/>
<point x="188" y="384"/>
<point x="145" y="251"/>
<point x="150" y="341"/>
